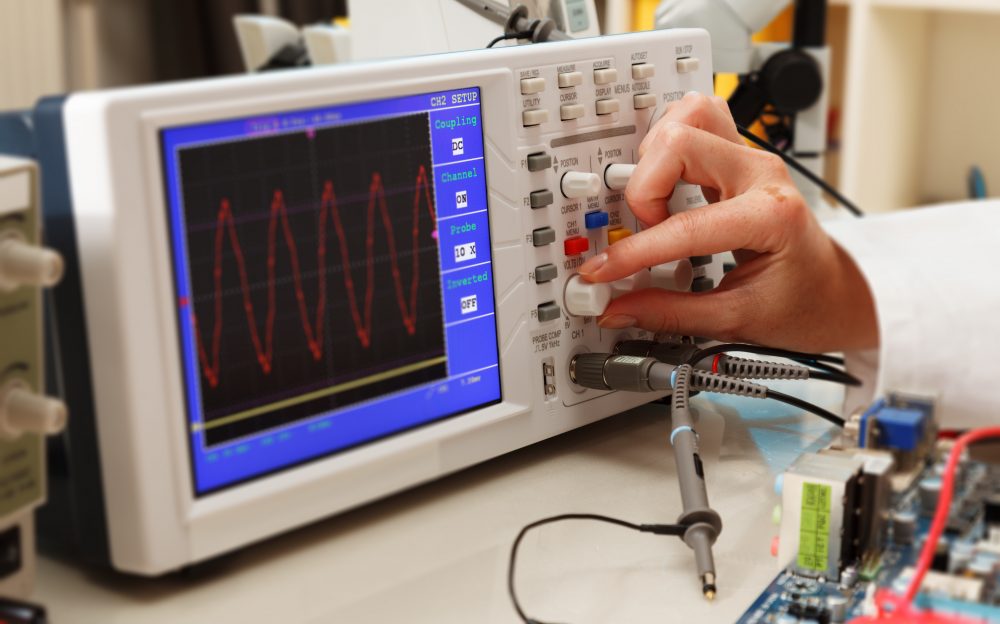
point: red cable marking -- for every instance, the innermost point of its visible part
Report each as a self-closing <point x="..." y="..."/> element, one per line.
<point x="313" y="331"/>
<point x="893" y="608"/>
<point x="715" y="363"/>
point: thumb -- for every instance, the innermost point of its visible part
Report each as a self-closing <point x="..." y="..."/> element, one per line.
<point x="709" y="314"/>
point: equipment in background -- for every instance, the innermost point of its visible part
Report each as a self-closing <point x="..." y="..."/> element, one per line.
<point x="855" y="524"/>
<point x="785" y="85"/>
<point x="977" y="183"/>
<point x="27" y="416"/>
<point x="268" y="42"/>
<point x="292" y="293"/>
<point x="433" y="26"/>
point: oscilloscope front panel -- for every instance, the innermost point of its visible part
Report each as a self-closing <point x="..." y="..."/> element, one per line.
<point x="310" y="289"/>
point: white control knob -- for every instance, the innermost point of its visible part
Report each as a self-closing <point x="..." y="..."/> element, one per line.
<point x="580" y="184"/>
<point x="676" y="275"/>
<point x="24" y="264"/>
<point x="637" y="281"/>
<point x="686" y="197"/>
<point x="616" y="176"/>
<point x="21" y="410"/>
<point x="583" y="298"/>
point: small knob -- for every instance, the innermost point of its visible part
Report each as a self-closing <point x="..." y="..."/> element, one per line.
<point x="584" y="298"/>
<point x="686" y="197"/>
<point x="616" y="176"/>
<point x="676" y="275"/>
<point x="637" y="281"/>
<point x="22" y="263"/>
<point x="579" y="184"/>
<point x="22" y="410"/>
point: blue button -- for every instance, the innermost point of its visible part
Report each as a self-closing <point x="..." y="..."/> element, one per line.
<point x="594" y="220"/>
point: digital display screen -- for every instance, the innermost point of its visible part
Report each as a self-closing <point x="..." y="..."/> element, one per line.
<point x="333" y="278"/>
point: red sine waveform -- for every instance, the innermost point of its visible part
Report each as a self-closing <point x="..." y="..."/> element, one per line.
<point x="313" y="330"/>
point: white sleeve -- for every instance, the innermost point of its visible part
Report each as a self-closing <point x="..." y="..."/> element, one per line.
<point x="933" y="275"/>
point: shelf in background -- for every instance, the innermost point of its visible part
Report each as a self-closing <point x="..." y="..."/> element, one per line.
<point x="976" y="6"/>
<point x="919" y="101"/>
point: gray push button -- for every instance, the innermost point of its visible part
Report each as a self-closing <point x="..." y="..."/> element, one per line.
<point x="702" y="284"/>
<point x="543" y="236"/>
<point x="539" y="161"/>
<point x="548" y="311"/>
<point x="643" y="100"/>
<point x="545" y="273"/>
<point x="534" y="117"/>
<point x="540" y="199"/>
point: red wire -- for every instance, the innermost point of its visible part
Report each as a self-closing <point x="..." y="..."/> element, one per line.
<point x="941" y="514"/>
<point x="715" y="363"/>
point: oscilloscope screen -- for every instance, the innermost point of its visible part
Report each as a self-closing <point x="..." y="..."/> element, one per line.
<point x="321" y="283"/>
<point x="309" y="266"/>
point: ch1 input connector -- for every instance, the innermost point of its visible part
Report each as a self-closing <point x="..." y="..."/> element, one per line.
<point x="606" y="371"/>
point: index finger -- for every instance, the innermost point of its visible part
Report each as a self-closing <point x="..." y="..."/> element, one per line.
<point x="744" y="222"/>
<point x="709" y="113"/>
<point x="695" y="156"/>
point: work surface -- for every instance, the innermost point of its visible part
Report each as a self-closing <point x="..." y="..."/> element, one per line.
<point x="439" y="553"/>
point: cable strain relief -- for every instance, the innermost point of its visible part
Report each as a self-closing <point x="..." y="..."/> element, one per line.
<point x="676" y="530"/>
<point x="746" y="368"/>
<point x="721" y="384"/>
<point x="682" y="387"/>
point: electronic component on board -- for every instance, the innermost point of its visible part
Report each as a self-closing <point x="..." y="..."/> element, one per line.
<point x="899" y="423"/>
<point x="818" y="523"/>
<point x="963" y="583"/>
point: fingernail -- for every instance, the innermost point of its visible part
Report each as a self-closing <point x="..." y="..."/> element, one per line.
<point x="617" y="321"/>
<point x="594" y="264"/>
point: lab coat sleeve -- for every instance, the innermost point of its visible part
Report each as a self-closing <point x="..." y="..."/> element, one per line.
<point x="934" y="278"/>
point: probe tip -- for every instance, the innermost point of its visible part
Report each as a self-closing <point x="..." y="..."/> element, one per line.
<point x="708" y="586"/>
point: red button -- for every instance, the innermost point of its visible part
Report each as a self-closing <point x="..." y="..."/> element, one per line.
<point x="576" y="245"/>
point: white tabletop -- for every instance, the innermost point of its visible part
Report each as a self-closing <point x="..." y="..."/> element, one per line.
<point x="438" y="553"/>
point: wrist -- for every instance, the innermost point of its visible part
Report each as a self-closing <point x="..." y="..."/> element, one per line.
<point x="858" y="319"/>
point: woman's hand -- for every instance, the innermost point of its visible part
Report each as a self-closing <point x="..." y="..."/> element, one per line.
<point x="793" y="288"/>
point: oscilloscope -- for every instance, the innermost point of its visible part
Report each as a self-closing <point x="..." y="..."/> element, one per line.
<point x="305" y="290"/>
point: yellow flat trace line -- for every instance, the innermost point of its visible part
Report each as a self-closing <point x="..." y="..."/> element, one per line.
<point x="317" y="394"/>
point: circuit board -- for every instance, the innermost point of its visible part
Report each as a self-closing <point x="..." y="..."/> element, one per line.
<point x="964" y="579"/>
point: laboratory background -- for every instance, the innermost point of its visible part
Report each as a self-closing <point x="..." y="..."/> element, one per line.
<point x="317" y="311"/>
